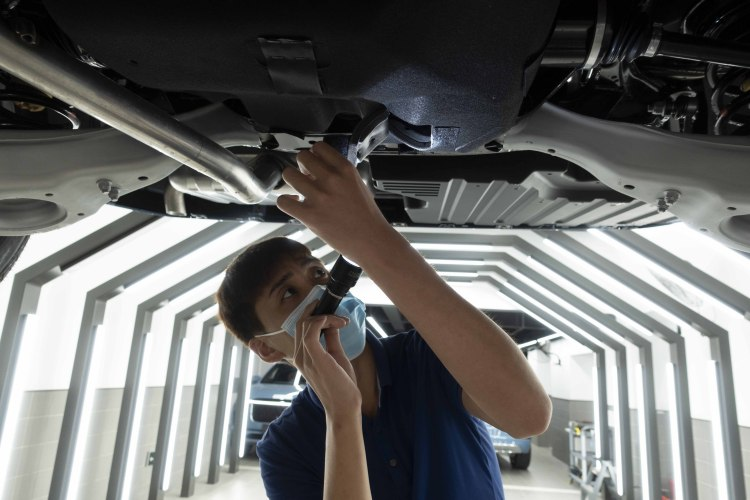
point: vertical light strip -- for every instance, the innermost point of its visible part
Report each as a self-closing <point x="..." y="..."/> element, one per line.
<point x="298" y="380"/>
<point x="597" y="423"/>
<point x="13" y="412"/>
<point x="137" y="420"/>
<point x="618" y="435"/>
<point x="204" y="417"/>
<point x="248" y="383"/>
<point x="227" y="408"/>
<point x="376" y="326"/>
<point x="716" y="428"/>
<point x="79" y="452"/>
<point x="173" y="424"/>
<point x="674" y="432"/>
<point x="641" y="395"/>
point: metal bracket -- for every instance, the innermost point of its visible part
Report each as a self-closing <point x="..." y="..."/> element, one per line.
<point x="366" y="136"/>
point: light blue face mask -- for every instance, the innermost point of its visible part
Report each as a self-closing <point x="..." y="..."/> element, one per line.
<point x="352" y="335"/>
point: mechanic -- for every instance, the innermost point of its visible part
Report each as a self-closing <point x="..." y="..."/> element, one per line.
<point x="392" y="417"/>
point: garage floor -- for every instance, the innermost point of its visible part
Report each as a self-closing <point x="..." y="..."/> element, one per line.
<point x="546" y="478"/>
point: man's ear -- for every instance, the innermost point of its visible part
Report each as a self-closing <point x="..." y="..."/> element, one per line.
<point x="264" y="351"/>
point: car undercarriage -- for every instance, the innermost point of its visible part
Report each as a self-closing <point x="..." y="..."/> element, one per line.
<point x="568" y="115"/>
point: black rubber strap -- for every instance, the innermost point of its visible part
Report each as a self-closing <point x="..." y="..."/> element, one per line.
<point x="291" y="65"/>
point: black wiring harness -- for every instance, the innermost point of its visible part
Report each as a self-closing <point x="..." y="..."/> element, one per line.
<point x="728" y="89"/>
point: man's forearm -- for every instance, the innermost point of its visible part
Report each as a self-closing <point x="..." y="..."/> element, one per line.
<point x="481" y="357"/>
<point x="345" y="463"/>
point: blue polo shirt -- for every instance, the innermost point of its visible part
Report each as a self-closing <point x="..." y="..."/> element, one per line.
<point x="422" y="443"/>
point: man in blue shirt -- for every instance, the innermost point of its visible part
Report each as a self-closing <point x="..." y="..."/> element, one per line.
<point x="390" y="418"/>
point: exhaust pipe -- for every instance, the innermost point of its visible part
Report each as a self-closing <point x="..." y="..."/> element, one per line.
<point x="54" y="72"/>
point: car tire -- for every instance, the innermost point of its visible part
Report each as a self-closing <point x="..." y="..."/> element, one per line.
<point x="520" y="460"/>
<point x="10" y="248"/>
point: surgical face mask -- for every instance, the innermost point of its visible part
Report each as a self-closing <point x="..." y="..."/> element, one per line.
<point x="352" y="335"/>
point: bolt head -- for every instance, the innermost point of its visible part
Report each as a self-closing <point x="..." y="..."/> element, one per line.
<point x="104" y="185"/>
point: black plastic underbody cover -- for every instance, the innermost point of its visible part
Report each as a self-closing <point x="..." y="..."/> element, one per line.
<point x="460" y="67"/>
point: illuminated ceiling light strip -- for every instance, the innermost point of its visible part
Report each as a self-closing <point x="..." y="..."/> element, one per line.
<point x="322" y="251"/>
<point x="534" y="315"/>
<point x="540" y="340"/>
<point x="300" y="235"/>
<point x="579" y="292"/>
<point x="557" y="278"/>
<point x="556" y="298"/>
<point x="642" y="302"/>
<point x="376" y="326"/>
<point x="565" y="283"/>
<point x="633" y="325"/>
<point x="602" y="236"/>
<point x="599" y="325"/>
<point x="641" y="395"/>
<point x="13" y="412"/>
<point x="580" y="263"/>
<point x="582" y="294"/>
<point x="241" y="446"/>
<point x="173" y="424"/>
<point x="545" y="309"/>
<point x="265" y="402"/>
<point x="655" y="308"/>
<point x="456" y="262"/>
<point x="456" y="247"/>
<point x="717" y="431"/>
<point x="674" y="433"/>
<point x="76" y="472"/>
<point x="227" y="408"/>
<point x="509" y="269"/>
<point x="204" y="416"/>
<point x="646" y="261"/>
<point x="137" y="419"/>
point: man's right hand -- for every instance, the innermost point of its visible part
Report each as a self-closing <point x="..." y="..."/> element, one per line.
<point x="327" y="370"/>
<point x="337" y="205"/>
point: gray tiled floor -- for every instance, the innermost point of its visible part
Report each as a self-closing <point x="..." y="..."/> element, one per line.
<point x="546" y="478"/>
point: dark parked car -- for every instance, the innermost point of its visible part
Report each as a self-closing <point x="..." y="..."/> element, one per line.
<point x="518" y="450"/>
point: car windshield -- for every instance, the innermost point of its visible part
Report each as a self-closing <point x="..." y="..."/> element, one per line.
<point x="281" y="373"/>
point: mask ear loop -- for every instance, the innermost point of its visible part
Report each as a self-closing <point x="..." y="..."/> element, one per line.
<point x="269" y="334"/>
<point x="296" y="349"/>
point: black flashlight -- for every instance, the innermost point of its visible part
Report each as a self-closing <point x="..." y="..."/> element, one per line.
<point x="344" y="275"/>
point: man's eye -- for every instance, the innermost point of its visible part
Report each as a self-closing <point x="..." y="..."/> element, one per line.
<point x="320" y="272"/>
<point x="288" y="293"/>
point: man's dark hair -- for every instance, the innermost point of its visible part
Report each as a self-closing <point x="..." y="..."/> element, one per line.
<point x="245" y="277"/>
